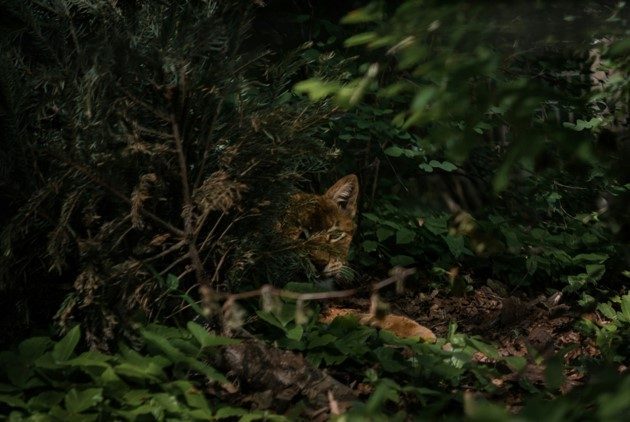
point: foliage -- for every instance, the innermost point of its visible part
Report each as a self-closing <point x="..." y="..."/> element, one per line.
<point x="456" y="103"/>
<point x="408" y="378"/>
<point x="613" y="336"/>
<point x="161" y="142"/>
<point x="149" y="149"/>
<point x="603" y="398"/>
<point x="47" y="380"/>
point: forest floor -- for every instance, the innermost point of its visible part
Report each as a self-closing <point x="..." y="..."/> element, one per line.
<point x="534" y="328"/>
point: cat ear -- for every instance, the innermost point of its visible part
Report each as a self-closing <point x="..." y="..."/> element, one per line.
<point x="345" y="192"/>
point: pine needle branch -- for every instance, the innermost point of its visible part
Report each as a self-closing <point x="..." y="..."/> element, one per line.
<point x="187" y="212"/>
<point x="99" y="181"/>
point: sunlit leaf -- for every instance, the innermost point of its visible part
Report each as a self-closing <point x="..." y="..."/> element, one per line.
<point x="76" y="401"/>
<point x="206" y="339"/>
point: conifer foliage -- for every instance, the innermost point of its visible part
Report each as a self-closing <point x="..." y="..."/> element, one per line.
<point x="148" y="151"/>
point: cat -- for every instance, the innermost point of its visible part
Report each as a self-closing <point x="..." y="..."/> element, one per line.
<point x="325" y="225"/>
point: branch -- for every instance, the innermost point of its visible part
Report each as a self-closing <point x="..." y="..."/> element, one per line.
<point x="97" y="179"/>
<point x="398" y="275"/>
<point x="206" y="145"/>
<point x="187" y="210"/>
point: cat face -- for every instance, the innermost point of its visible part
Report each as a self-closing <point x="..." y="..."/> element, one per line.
<point x="325" y="224"/>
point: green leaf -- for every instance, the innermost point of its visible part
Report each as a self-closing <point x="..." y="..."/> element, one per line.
<point x="167" y="401"/>
<point x="502" y="176"/>
<point x="174" y="354"/>
<point x="595" y="272"/>
<point x="369" y="13"/>
<point x="371" y="217"/>
<point x="517" y="363"/>
<point x="553" y="197"/>
<point x="136" y="397"/>
<point x="206" y="339"/>
<point x="389" y="359"/>
<point x="91" y="358"/>
<point x="589" y="258"/>
<point x="316" y="89"/>
<point x="32" y="348"/>
<point x="404" y="236"/>
<point x="394" y="151"/>
<point x="423" y="98"/>
<point x="46" y="400"/>
<point x="65" y="347"/>
<point x="426" y="167"/>
<point x="315" y="340"/>
<point x="193" y="304"/>
<point x="195" y="398"/>
<point x="230" y="412"/>
<point x="554" y="373"/>
<point x="369" y="245"/>
<point x="8" y="388"/>
<point x="607" y="310"/>
<point x="625" y="308"/>
<point x="487" y="349"/>
<point x="206" y="370"/>
<point x="149" y="372"/>
<point x="270" y="318"/>
<point x="436" y="225"/>
<point x="16" y="369"/>
<point x="131" y="356"/>
<point x="580" y="124"/>
<point x="455" y="245"/>
<point x="46" y="361"/>
<point x="359" y="39"/>
<point x="486" y="411"/>
<point x="295" y="333"/>
<point x="77" y="401"/>
<point x="110" y="378"/>
<point x="145" y="409"/>
<point x="576" y="282"/>
<point x="382" y="233"/>
<point x="12" y="401"/>
<point x="386" y="390"/>
<point x="392" y="224"/>
<point x="401" y="260"/>
<point x="172" y="282"/>
<point x="531" y="263"/>
<point x="447" y="166"/>
<point x="201" y="414"/>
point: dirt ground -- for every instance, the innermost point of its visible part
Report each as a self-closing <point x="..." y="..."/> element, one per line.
<point x="535" y="328"/>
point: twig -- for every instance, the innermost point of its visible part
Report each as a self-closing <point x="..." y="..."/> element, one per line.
<point x="148" y="131"/>
<point x="287" y="294"/>
<point x="201" y="223"/>
<point x="165" y="252"/>
<point x="187" y="211"/>
<point x="569" y="187"/>
<point x="173" y="264"/>
<point x="147" y="106"/>
<point x="96" y="179"/>
<point x="377" y="166"/>
<point x="73" y="32"/>
<point x="215" y="276"/>
<point x="398" y="275"/>
<point x="206" y="145"/>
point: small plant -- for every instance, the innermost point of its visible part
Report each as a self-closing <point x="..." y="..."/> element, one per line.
<point x="168" y="376"/>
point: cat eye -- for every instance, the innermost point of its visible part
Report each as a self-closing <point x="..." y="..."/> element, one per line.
<point x="304" y="234"/>
<point x="337" y="236"/>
